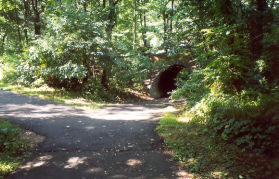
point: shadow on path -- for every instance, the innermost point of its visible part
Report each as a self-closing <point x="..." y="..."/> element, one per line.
<point x="117" y="141"/>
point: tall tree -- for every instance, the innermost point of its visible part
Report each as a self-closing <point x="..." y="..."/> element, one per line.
<point x="37" y="12"/>
<point x="26" y="14"/>
<point x="257" y="21"/>
<point x="135" y="25"/>
<point x="111" y="18"/>
<point x="143" y="24"/>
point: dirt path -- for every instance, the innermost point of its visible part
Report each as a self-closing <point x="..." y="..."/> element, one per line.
<point x="117" y="141"/>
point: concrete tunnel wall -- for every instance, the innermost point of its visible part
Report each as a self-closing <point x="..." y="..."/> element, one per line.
<point x="164" y="81"/>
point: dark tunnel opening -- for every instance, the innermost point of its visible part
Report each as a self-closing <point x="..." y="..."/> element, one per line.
<point x="164" y="82"/>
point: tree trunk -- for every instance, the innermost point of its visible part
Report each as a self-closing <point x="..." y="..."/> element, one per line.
<point x="256" y="24"/>
<point x="171" y="20"/>
<point x="3" y="43"/>
<point x="93" y="67"/>
<point x="109" y="28"/>
<point x="104" y="79"/>
<point x="37" y="26"/>
<point x="18" y="25"/>
<point x="143" y="31"/>
<point x="26" y="10"/>
<point x="135" y="24"/>
<point x="111" y="18"/>
<point x="165" y="24"/>
<point x="165" y="17"/>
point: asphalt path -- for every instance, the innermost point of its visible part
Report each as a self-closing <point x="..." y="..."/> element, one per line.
<point x="117" y="141"/>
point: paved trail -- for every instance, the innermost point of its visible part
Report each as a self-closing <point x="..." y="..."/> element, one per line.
<point x="117" y="141"/>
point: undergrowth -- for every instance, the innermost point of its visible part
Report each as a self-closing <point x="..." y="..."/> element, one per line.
<point x="56" y="95"/>
<point x="205" y="156"/>
<point x="13" y="149"/>
<point x="224" y="127"/>
<point x="83" y="100"/>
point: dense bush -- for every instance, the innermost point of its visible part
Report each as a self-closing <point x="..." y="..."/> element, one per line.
<point x="249" y="119"/>
<point x="234" y="89"/>
<point x="61" y="57"/>
<point x="191" y="86"/>
<point x="94" y="90"/>
<point x="27" y="73"/>
<point x="8" y="64"/>
<point x="73" y="54"/>
<point x="130" y="72"/>
<point x="250" y="123"/>
<point x="9" y="139"/>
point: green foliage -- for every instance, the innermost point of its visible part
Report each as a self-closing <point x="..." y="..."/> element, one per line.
<point x="74" y="51"/>
<point x="75" y="99"/>
<point x="8" y="137"/>
<point x="249" y="118"/>
<point x="251" y="124"/>
<point x="129" y="72"/>
<point x="99" y="50"/>
<point x="13" y="149"/>
<point x="61" y="56"/>
<point x="8" y="62"/>
<point x="69" y="76"/>
<point x="204" y="156"/>
<point x="94" y="90"/>
<point x="26" y="73"/>
<point x="191" y="86"/>
<point x="234" y="91"/>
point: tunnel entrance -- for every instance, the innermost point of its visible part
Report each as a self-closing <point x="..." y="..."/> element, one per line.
<point x="164" y="82"/>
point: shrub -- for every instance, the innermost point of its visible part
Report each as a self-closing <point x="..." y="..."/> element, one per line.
<point x="250" y="120"/>
<point x="94" y="90"/>
<point x="27" y="74"/>
<point x="9" y="139"/>
<point x="69" y="76"/>
<point x="191" y="86"/>
<point x="249" y="117"/>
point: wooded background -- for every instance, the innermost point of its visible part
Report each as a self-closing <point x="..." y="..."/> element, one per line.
<point x="97" y="47"/>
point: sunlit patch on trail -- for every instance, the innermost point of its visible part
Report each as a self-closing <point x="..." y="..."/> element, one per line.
<point x="75" y="161"/>
<point x="95" y="170"/>
<point x="133" y="162"/>
<point x="38" y="162"/>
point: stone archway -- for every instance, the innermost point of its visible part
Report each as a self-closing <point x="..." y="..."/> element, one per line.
<point x="164" y="82"/>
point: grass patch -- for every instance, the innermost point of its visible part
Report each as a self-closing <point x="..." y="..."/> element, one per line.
<point x="206" y="157"/>
<point x="13" y="149"/>
<point x="55" y="95"/>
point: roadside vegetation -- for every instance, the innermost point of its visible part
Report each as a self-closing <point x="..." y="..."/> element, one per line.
<point x="55" y="95"/>
<point x="13" y="148"/>
<point x="205" y="156"/>
<point x="104" y="50"/>
<point x="231" y="96"/>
